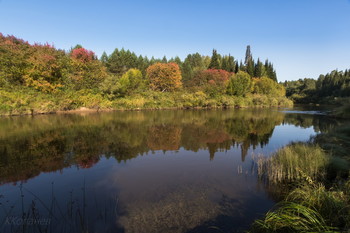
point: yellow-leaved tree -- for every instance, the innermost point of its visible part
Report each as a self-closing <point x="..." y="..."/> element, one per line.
<point x="164" y="77"/>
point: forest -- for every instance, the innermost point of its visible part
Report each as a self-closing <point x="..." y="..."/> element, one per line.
<point x="331" y="88"/>
<point x="38" y="78"/>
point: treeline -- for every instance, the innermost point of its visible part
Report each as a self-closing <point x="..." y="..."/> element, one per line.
<point x="122" y="60"/>
<point x="64" y="75"/>
<point x="326" y="89"/>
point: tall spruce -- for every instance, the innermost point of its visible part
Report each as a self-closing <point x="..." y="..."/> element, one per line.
<point x="214" y="62"/>
<point x="236" y="67"/>
<point x="248" y="55"/>
<point x="250" y="67"/>
<point x="259" y="69"/>
<point x="230" y="64"/>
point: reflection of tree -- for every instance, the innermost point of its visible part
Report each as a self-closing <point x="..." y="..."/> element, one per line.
<point x="53" y="142"/>
<point x="320" y="123"/>
<point x="164" y="137"/>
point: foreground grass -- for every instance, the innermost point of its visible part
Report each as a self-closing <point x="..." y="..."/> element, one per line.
<point x="309" y="206"/>
<point x="28" y="101"/>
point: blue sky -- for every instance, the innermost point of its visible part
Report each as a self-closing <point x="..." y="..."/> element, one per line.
<point x="303" y="38"/>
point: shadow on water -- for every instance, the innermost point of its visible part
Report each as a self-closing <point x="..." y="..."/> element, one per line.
<point x="149" y="171"/>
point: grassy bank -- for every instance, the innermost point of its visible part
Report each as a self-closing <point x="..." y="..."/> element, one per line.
<point x="28" y="101"/>
<point x="318" y="188"/>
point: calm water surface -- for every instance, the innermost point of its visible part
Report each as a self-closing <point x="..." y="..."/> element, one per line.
<point x="149" y="171"/>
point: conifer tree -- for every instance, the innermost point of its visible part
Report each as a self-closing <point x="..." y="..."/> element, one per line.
<point x="104" y="58"/>
<point x="241" y="67"/>
<point x="214" y="62"/>
<point x="230" y="64"/>
<point x="250" y="68"/>
<point x="248" y="56"/>
<point x="224" y="63"/>
<point x="187" y="72"/>
<point x="259" y="69"/>
<point x="236" y="67"/>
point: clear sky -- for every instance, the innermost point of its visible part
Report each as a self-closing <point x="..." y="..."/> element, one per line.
<point x="303" y="38"/>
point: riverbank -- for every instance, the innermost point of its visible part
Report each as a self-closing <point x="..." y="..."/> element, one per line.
<point x="26" y="101"/>
<point x="315" y="180"/>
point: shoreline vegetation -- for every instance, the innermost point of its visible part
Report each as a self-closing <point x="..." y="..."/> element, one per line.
<point x="315" y="177"/>
<point x="38" y="78"/>
<point x="34" y="104"/>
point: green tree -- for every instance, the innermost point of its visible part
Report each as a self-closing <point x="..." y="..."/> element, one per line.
<point x="270" y="71"/>
<point x="130" y="82"/>
<point x="121" y="61"/>
<point x="239" y="84"/>
<point x="104" y="58"/>
<point x="230" y="64"/>
<point x="187" y="72"/>
<point x="248" y="56"/>
<point x="267" y="86"/>
<point x="214" y="62"/>
<point x="250" y="68"/>
<point x="259" y="69"/>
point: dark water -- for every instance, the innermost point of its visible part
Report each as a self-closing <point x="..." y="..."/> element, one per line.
<point x="149" y="171"/>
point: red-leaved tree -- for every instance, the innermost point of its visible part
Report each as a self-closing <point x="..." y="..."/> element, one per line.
<point x="211" y="80"/>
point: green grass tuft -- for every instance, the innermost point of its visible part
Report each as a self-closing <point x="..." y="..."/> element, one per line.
<point x="292" y="217"/>
<point x="295" y="162"/>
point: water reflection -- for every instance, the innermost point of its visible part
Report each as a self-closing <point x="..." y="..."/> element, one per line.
<point x="152" y="171"/>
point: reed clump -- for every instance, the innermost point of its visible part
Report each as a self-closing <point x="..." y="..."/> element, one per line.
<point x="293" y="163"/>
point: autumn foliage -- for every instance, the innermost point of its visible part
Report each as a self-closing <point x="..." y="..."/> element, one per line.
<point x="211" y="77"/>
<point x="41" y="78"/>
<point x="88" y="72"/>
<point x="164" y="77"/>
<point x="83" y="55"/>
<point x="212" y="80"/>
<point x="47" y="69"/>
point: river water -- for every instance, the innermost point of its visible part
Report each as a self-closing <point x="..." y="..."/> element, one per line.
<point x="143" y="171"/>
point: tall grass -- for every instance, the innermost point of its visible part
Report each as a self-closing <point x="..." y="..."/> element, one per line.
<point x="295" y="162"/>
<point x="310" y="207"/>
<point x="332" y="205"/>
<point x="291" y="217"/>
